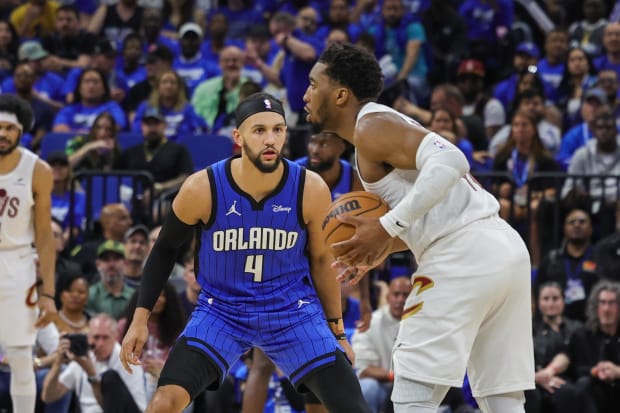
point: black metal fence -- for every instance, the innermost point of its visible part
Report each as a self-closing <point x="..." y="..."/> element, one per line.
<point x="134" y="189"/>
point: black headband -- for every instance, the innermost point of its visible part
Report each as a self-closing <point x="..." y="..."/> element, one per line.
<point x="256" y="103"/>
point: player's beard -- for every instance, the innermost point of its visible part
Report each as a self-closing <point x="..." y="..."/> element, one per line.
<point x="322" y="166"/>
<point x="10" y="149"/>
<point x="260" y="165"/>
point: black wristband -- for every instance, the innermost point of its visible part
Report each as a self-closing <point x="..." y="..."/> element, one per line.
<point x="334" y="320"/>
<point x="341" y="336"/>
<point x="51" y="297"/>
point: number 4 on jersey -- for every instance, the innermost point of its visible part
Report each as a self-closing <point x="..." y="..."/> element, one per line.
<point x="254" y="265"/>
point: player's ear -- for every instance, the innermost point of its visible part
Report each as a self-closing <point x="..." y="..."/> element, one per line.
<point x="342" y="96"/>
<point x="237" y="137"/>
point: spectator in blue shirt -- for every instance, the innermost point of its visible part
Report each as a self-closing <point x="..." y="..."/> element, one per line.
<point x="526" y="55"/>
<point x="217" y="38"/>
<point x="176" y="13"/>
<point x="48" y="85"/>
<point x="338" y="18"/>
<point x="189" y="63"/>
<point x="611" y="43"/>
<point x="151" y="30"/>
<point x="132" y="68"/>
<point x="9" y="41"/>
<point x="61" y="193"/>
<point x="405" y="40"/>
<point x="171" y="100"/>
<point x="551" y="67"/>
<point x="240" y="15"/>
<point x="91" y="96"/>
<point x="301" y="51"/>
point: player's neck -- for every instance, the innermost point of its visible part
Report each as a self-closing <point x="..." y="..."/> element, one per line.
<point x="254" y="182"/>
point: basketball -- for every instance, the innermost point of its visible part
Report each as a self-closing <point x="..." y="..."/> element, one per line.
<point x="357" y="203"/>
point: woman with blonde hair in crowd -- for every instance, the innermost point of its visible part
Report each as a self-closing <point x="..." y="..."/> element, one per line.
<point x="170" y="97"/>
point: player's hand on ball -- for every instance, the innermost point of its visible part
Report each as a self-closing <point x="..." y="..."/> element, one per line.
<point x="47" y="311"/>
<point x="133" y="343"/>
<point x="367" y="246"/>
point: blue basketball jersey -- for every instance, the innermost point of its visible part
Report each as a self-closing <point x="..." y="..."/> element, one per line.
<point x="252" y="256"/>
<point x="345" y="180"/>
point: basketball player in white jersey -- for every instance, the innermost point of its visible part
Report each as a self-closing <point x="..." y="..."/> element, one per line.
<point x="25" y="219"/>
<point x="470" y="303"/>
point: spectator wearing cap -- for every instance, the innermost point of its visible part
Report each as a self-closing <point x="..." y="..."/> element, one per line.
<point x="579" y="75"/>
<point x="593" y="101"/>
<point x="103" y="59"/>
<point x="158" y="59"/>
<point x="170" y="98"/>
<point x="91" y="97"/>
<point x="177" y="13"/>
<point x="136" y="250"/>
<point x="48" y="85"/>
<point x="189" y="63"/>
<point x="151" y="30"/>
<point x="261" y="55"/>
<point x="115" y="221"/>
<point x="217" y="98"/>
<point x="588" y="33"/>
<point x="34" y="18"/>
<point x="526" y="55"/>
<point x="132" y="68"/>
<point x="168" y="162"/>
<point x="111" y="294"/>
<point x="24" y="79"/>
<point x="69" y="45"/>
<point x="610" y="59"/>
<point x="115" y="21"/>
<point x="551" y="67"/>
<point x="61" y="194"/>
<point x="470" y="80"/>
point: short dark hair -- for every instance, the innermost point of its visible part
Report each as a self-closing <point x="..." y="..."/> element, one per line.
<point x="355" y="68"/>
<point x="68" y="8"/>
<point x="19" y="107"/>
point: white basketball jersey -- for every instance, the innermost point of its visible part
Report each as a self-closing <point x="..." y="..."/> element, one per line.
<point x="16" y="204"/>
<point x="466" y="202"/>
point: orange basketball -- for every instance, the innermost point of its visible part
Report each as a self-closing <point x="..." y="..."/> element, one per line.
<point x="357" y="203"/>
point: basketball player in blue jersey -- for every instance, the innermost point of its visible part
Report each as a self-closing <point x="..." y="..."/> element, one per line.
<point x="324" y="152"/>
<point x="470" y="302"/>
<point x="263" y="268"/>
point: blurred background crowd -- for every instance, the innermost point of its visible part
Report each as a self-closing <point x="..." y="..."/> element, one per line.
<point x="130" y="97"/>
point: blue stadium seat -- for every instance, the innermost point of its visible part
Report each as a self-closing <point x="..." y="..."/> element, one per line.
<point x="207" y="149"/>
<point x="54" y="141"/>
<point x="129" y="139"/>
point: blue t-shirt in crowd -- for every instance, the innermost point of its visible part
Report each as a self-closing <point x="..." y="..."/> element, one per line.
<point x="194" y="71"/>
<point x="181" y="122"/>
<point x="552" y="74"/>
<point x="49" y="85"/>
<point x="483" y="18"/>
<point x="80" y="118"/>
<point x="60" y="208"/>
<point x="116" y="79"/>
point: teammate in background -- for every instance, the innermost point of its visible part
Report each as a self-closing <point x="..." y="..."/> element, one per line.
<point x="324" y="152"/>
<point x="471" y="292"/>
<point x="260" y="222"/>
<point x="25" y="218"/>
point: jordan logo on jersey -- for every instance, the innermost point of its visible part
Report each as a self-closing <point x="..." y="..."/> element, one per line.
<point x="233" y="209"/>
<point x="301" y="302"/>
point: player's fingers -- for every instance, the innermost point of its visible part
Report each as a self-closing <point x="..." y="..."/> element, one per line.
<point x="348" y="219"/>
